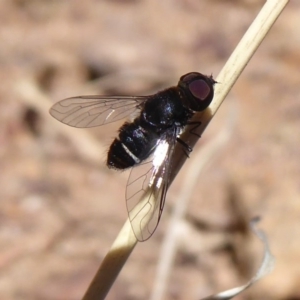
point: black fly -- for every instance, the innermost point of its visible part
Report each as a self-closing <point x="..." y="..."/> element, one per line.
<point x="146" y="143"/>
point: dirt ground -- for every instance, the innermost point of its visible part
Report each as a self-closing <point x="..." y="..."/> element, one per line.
<point x="61" y="207"/>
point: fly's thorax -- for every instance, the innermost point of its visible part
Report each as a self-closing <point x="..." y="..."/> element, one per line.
<point x="165" y="110"/>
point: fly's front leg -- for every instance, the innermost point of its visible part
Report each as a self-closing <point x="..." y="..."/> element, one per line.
<point x="186" y="148"/>
<point x="197" y="124"/>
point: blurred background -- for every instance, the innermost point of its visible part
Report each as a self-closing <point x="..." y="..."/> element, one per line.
<point x="61" y="207"/>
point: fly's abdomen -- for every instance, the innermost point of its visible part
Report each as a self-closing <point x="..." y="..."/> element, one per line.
<point x="133" y="145"/>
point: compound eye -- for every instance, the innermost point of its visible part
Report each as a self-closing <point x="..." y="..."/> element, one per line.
<point x="200" y="89"/>
<point x="188" y="77"/>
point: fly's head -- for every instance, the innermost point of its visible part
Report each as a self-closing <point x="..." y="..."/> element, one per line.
<point x="199" y="90"/>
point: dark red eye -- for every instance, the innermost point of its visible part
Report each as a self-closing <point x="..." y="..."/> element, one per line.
<point x="200" y="89"/>
<point x="189" y="77"/>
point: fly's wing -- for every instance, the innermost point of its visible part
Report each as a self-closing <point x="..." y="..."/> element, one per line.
<point x="91" y="111"/>
<point x="147" y="187"/>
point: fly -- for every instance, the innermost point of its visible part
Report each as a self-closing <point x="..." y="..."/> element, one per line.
<point x="147" y="143"/>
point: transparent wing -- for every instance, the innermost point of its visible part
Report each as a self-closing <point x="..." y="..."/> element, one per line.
<point x="91" y="111"/>
<point x="147" y="187"/>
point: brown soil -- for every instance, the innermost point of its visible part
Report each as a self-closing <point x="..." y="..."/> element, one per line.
<point x="61" y="208"/>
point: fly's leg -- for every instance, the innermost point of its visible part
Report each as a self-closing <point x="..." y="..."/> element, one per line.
<point x="197" y="124"/>
<point x="186" y="148"/>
